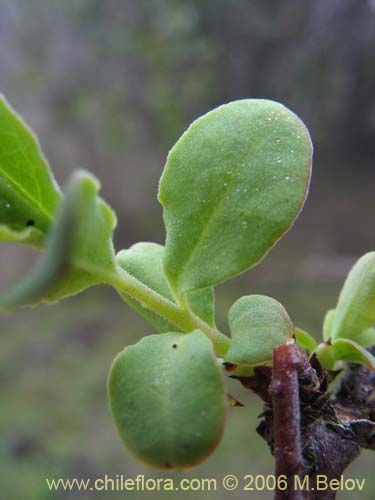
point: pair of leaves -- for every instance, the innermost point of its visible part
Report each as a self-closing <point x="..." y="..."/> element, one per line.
<point x="167" y="399"/>
<point x="337" y="348"/>
<point x="29" y="194"/>
<point x="365" y="339"/>
<point x="76" y="229"/>
<point x="348" y="329"/>
<point x="355" y="311"/>
<point x="79" y="247"/>
<point x="258" y="324"/>
<point x="232" y="186"/>
<point x="144" y="261"/>
<point x="331" y="353"/>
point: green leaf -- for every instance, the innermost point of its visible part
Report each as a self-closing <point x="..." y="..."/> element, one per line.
<point x="79" y="249"/>
<point x="232" y="186"/>
<point x="348" y="350"/>
<point x="29" y="194"/>
<point x="144" y="261"/>
<point x="167" y="398"/>
<point x="305" y="340"/>
<point x="258" y="324"/>
<point x="355" y="311"/>
<point x="366" y="338"/>
<point x="28" y="236"/>
<point x="325" y="354"/>
<point x="328" y="323"/>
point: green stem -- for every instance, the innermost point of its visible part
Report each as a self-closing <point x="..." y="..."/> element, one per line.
<point x="182" y="318"/>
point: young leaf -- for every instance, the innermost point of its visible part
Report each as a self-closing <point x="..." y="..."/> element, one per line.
<point x="79" y="248"/>
<point x="325" y="354"/>
<point x="258" y="324"/>
<point x="305" y="340"/>
<point x="145" y="262"/>
<point x="328" y="322"/>
<point x="366" y="338"/>
<point x="167" y="398"/>
<point x="29" y="194"/>
<point x="355" y="311"/>
<point x="232" y="186"/>
<point x="348" y="350"/>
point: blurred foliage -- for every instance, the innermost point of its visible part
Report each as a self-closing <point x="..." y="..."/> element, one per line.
<point x="110" y="86"/>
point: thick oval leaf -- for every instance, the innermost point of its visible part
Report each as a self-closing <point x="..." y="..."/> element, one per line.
<point x="305" y="340"/>
<point x="232" y="186"/>
<point x="29" y="194"/>
<point x="79" y="248"/>
<point x="355" y="311"/>
<point x="348" y="350"/>
<point x="168" y="400"/>
<point x="258" y="324"/>
<point x="145" y="262"/>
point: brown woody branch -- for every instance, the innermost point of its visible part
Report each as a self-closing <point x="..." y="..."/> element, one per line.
<point x="284" y="393"/>
<point x="310" y="431"/>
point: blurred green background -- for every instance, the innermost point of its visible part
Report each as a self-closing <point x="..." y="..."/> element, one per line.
<point x="110" y="86"/>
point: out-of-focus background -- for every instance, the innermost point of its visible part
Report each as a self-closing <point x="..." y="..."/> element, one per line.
<point x="110" y="86"/>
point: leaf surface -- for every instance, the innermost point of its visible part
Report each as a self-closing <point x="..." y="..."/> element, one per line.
<point x="167" y="398"/>
<point x="232" y="186"/>
<point x="29" y="195"/>
<point x="348" y="350"/>
<point x="258" y="324"/>
<point x="366" y="338"/>
<point x="305" y="340"/>
<point x="355" y="311"/>
<point x="328" y="323"/>
<point x="326" y="355"/>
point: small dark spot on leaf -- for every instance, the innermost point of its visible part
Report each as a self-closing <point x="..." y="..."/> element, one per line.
<point x="174" y="346"/>
<point x="168" y="465"/>
<point x="30" y="222"/>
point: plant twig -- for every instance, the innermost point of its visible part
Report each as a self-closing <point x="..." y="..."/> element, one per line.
<point x="150" y="299"/>
<point x="284" y="391"/>
<point x="333" y="428"/>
